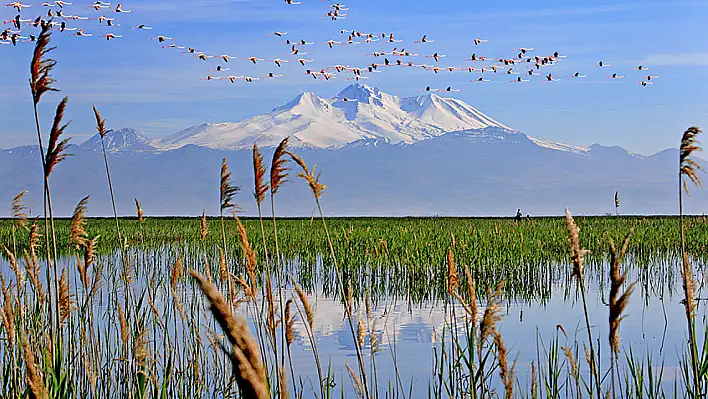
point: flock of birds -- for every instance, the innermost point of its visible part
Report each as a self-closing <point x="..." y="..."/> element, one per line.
<point x="523" y="67"/>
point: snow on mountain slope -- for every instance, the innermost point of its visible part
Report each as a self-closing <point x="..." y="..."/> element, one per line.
<point x="357" y="113"/>
<point x="123" y="139"/>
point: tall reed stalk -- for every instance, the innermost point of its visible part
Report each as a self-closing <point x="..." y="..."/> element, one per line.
<point x="578" y="260"/>
<point x="317" y="188"/>
<point x="688" y="170"/>
<point x="40" y="83"/>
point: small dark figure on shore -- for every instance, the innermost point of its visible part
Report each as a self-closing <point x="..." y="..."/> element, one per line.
<point x="518" y="215"/>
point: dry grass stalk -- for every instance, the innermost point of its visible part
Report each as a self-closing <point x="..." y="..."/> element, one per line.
<point x="278" y="171"/>
<point x="33" y="376"/>
<point x="227" y="190"/>
<point x="259" y="171"/>
<point x="356" y="381"/>
<point x="41" y="67"/>
<point x="492" y="314"/>
<point x="618" y="303"/>
<point x="204" y="226"/>
<point x="577" y="253"/>
<point x="305" y="304"/>
<point x="32" y="269"/>
<point x="56" y="148"/>
<point x="77" y="228"/>
<point x="19" y="211"/>
<point x="66" y="300"/>
<point x="309" y="176"/>
<point x="505" y="372"/>
<point x="247" y="290"/>
<point x="689" y="167"/>
<point x="246" y="359"/>
<point x="139" y="210"/>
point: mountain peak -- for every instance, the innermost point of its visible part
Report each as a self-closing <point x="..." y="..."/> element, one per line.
<point x="121" y="139"/>
<point x="369" y="114"/>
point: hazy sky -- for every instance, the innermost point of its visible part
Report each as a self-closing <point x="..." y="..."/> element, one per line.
<point x="136" y="83"/>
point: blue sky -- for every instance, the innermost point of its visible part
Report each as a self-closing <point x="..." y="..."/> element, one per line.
<point x="136" y="83"/>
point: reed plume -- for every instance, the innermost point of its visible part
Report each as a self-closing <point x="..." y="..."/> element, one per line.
<point x="249" y="254"/>
<point x="289" y="322"/>
<point x="139" y="210"/>
<point x="177" y="272"/>
<point x="203" y="226"/>
<point x="41" y="67"/>
<point x="56" y="148"/>
<point x="305" y="304"/>
<point x="472" y="293"/>
<point x="66" y="301"/>
<point x="19" y="210"/>
<point x="687" y="166"/>
<point x="259" y="170"/>
<point x="618" y="302"/>
<point x="453" y="280"/>
<point x="124" y="328"/>
<point x="356" y="381"/>
<point x="245" y="356"/>
<point x="492" y="314"/>
<point x="33" y="376"/>
<point x="12" y="260"/>
<point x="100" y="123"/>
<point x="7" y="313"/>
<point x="278" y="171"/>
<point x="77" y="231"/>
<point x="577" y="256"/>
<point x="227" y="189"/>
<point x="505" y="372"/>
<point x="309" y="176"/>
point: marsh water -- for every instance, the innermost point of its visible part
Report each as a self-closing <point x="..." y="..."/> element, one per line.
<point x="411" y="325"/>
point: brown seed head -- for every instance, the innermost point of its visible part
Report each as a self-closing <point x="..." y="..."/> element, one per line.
<point x="41" y="67"/>
<point x="227" y="190"/>
<point x="19" y="211"/>
<point x="577" y="253"/>
<point x="56" y="148"/>
<point x="246" y="361"/>
<point x="278" y="171"/>
<point x="77" y="231"/>
<point x="687" y="166"/>
<point x="259" y="171"/>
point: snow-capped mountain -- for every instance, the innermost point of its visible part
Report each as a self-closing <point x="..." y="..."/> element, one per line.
<point x="380" y="155"/>
<point x="123" y="139"/>
<point x="357" y="113"/>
